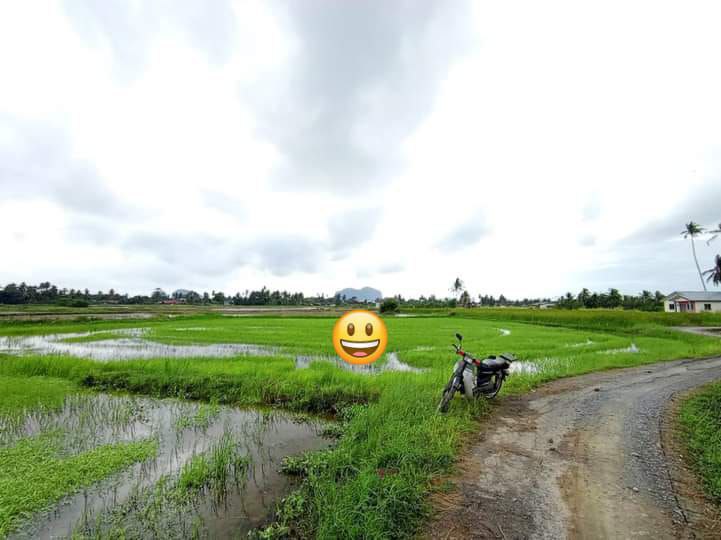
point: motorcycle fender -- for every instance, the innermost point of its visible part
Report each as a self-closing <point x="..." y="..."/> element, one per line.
<point x="468" y="382"/>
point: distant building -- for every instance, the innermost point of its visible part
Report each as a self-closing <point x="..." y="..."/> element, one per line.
<point x="543" y="305"/>
<point x="692" y="301"/>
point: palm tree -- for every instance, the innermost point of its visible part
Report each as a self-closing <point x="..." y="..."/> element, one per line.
<point x="714" y="233"/>
<point x="457" y="286"/>
<point x="714" y="274"/>
<point x="691" y="231"/>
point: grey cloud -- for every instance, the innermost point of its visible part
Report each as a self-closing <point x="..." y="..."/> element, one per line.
<point x="365" y="75"/>
<point x="349" y="230"/>
<point x="392" y="268"/>
<point x="702" y="205"/>
<point x="464" y="235"/>
<point x="91" y="229"/>
<point x="128" y="28"/>
<point x="36" y="162"/>
<point x="197" y="253"/>
<point x="211" y="255"/>
<point x="665" y="265"/>
<point x="655" y="256"/>
<point x="225" y="203"/>
<point x="284" y="255"/>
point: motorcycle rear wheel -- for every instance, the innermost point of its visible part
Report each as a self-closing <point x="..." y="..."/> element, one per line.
<point x="497" y="384"/>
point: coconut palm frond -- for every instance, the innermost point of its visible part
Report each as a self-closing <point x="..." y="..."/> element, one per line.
<point x="692" y="229"/>
<point x="714" y="274"/>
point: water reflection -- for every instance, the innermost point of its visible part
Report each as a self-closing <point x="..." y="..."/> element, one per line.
<point x="132" y="345"/>
<point x="390" y="363"/>
<point x="183" y="430"/>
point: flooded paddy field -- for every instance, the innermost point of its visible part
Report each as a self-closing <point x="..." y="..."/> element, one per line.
<point x="210" y="471"/>
<point x="179" y="453"/>
<point x="122" y="344"/>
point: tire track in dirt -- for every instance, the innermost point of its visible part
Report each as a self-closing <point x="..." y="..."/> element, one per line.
<point x="586" y="457"/>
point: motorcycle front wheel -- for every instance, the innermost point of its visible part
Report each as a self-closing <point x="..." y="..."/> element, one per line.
<point x="448" y="393"/>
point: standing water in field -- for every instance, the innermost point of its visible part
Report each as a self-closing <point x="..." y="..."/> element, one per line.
<point x="131" y="345"/>
<point x="215" y="473"/>
<point x="391" y="363"/>
<point x="630" y="349"/>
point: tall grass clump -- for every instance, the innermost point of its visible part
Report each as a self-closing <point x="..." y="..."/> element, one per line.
<point x="700" y="419"/>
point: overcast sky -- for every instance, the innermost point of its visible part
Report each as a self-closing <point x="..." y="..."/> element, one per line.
<point x="528" y="147"/>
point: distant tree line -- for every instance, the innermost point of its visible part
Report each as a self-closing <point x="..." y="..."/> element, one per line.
<point x="47" y="293"/>
<point x="646" y="301"/>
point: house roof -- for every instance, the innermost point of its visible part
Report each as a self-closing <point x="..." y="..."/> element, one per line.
<point x="696" y="296"/>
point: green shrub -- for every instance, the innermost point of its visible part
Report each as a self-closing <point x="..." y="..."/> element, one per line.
<point x="390" y="305"/>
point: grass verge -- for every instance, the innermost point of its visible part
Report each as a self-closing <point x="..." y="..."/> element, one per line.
<point x="700" y="418"/>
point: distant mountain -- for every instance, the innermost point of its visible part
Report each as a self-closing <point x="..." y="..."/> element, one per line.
<point x="366" y="294"/>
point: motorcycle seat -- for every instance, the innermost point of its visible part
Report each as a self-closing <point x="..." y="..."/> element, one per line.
<point x="494" y="364"/>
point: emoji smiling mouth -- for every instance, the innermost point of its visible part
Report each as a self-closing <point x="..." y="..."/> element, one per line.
<point x="360" y="349"/>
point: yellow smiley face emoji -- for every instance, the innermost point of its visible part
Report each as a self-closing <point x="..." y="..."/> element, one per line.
<point x="360" y="337"/>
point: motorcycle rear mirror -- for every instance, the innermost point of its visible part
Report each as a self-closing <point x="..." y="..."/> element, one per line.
<point x="459" y="337"/>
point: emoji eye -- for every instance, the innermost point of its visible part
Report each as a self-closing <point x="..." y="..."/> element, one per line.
<point x="369" y="329"/>
<point x="351" y="329"/>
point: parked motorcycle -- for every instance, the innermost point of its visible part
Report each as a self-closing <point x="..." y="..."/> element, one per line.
<point x="486" y="381"/>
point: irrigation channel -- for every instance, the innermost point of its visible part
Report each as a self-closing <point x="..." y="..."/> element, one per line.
<point x="239" y="450"/>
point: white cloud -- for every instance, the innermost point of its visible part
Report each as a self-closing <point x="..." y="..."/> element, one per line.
<point x="136" y="155"/>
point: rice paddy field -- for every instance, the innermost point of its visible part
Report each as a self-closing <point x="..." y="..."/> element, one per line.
<point x="222" y="426"/>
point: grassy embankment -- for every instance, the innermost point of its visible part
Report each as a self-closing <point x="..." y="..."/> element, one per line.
<point x="700" y="418"/>
<point x="373" y="483"/>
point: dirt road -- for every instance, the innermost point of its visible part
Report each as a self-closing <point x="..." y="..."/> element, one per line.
<point x="589" y="457"/>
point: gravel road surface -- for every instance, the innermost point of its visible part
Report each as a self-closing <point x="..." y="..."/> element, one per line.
<point x="594" y="456"/>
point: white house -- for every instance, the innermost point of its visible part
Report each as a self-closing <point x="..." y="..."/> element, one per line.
<point x="697" y="302"/>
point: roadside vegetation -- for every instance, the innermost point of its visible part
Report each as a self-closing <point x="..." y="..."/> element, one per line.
<point x="392" y="444"/>
<point x="700" y="418"/>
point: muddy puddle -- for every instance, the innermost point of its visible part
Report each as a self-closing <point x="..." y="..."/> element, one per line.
<point x="131" y="344"/>
<point x="150" y="499"/>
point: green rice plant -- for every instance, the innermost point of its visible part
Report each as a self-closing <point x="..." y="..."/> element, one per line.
<point x="34" y="474"/>
<point x="200" y="419"/>
<point x="168" y="509"/>
<point x="21" y="394"/>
